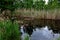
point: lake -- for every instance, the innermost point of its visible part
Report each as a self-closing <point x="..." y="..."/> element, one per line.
<point x="45" y="30"/>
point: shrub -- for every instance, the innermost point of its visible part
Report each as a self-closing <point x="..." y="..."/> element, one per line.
<point x="9" y="30"/>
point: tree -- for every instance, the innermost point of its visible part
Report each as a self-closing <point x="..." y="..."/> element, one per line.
<point x="58" y="1"/>
<point x="28" y="4"/>
<point x="52" y="4"/>
<point x="39" y="4"/>
<point x="8" y="5"/>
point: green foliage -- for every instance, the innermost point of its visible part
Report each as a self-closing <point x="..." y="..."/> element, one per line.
<point x="58" y="3"/>
<point x="7" y="4"/>
<point x="28" y="4"/>
<point x="9" y="31"/>
<point x="39" y="4"/>
<point x="52" y="4"/>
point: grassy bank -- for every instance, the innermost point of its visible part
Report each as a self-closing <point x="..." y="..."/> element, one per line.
<point x="9" y="30"/>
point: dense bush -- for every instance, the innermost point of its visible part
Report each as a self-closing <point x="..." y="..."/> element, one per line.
<point x="9" y="30"/>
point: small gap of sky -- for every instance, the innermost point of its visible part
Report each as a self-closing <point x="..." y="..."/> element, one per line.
<point x="46" y="1"/>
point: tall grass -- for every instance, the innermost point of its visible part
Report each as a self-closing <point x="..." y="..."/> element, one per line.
<point x="9" y="30"/>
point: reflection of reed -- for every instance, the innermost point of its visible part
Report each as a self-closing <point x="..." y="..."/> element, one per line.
<point x="53" y="24"/>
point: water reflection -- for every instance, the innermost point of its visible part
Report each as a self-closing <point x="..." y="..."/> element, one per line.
<point x="43" y="34"/>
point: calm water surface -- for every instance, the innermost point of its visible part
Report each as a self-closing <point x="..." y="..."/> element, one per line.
<point x="43" y="34"/>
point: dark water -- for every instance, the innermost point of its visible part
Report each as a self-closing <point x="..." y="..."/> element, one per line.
<point x="45" y="30"/>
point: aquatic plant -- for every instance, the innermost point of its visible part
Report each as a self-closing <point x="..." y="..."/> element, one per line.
<point x="26" y="38"/>
<point x="58" y="38"/>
